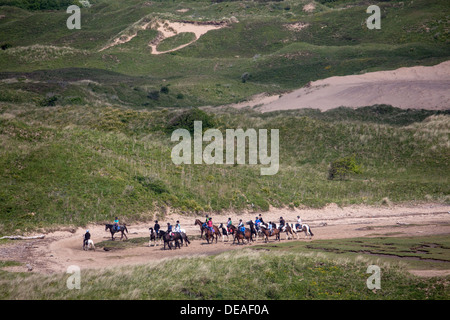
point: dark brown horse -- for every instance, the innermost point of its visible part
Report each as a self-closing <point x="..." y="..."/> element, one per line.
<point x="208" y="234"/>
<point x="266" y="232"/>
<point x="239" y="235"/>
<point x="176" y="237"/>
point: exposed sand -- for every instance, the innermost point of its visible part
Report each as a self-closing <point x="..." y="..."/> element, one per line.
<point x="416" y="88"/>
<point x="166" y="29"/>
<point x="61" y="249"/>
<point x="169" y="29"/>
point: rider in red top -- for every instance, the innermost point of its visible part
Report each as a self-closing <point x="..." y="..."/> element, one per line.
<point x="210" y="225"/>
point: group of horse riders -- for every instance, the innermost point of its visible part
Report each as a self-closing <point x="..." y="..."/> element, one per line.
<point x="170" y="228"/>
<point x="259" y="221"/>
<point x="208" y="224"/>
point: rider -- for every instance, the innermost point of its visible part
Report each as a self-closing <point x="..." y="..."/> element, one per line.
<point x="87" y="236"/>
<point x="270" y="227"/>
<point x="282" y="223"/>
<point x="210" y="225"/>
<point x="206" y="221"/>
<point x="241" y="226"/>
<point x="261" y="219"/>
<point x="156" y="227"/>
<point x="169" y="229"/>
<point x="229" y="223"/>
<point x="298" y="225"/>
<point x="178" y="227"/>
<point x="257" y="222"/>
<point x="116" y="224"/>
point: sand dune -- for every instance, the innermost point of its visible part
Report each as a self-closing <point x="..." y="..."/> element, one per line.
<point x="416" y="87"/>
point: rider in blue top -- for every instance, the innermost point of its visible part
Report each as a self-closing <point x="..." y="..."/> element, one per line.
<point x="257" y="222"/>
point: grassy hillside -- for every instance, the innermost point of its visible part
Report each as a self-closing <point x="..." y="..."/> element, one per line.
<point x="76" y="164"/>
<point x="261" y="40"/>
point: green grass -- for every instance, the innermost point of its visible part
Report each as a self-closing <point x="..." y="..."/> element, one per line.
<point x="247" y="274"/>
<point x="425" y="252"/>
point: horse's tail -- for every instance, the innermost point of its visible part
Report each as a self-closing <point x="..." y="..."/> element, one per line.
<point x="125" y="228"/>
<point x="308" y="230"/>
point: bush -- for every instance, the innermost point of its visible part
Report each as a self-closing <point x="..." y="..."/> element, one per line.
<point x="153" y="184"/>
<point x="245" y="76"/>
<point x="164" y="89"/>
<point x="154" y="95"/>
<point x="185" y="120"/>
<point x="48" y="101"/>
<point x="340" y="168"/>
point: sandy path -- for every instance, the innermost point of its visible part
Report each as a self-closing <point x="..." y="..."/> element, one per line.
<point x="63" y="248"/>
<point x="416" y="87"/>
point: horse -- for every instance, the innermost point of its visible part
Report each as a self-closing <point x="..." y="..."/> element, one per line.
<point x="153" y="237"/>
<point x="88" y="244"/>
<point x="288" y="229"/>
<point x="265" y="230"/>
<point x="252" y="229"/>
<point x="113" y="230"/>
<point x="239" y="235"/>
<point x="177" y="237"/>
<point x="225" y="232"/>
<point x="208" y="233"/>
<point x="304" y="228"/>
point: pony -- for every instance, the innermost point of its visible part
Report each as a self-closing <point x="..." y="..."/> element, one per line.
<point x="153" y="237"/>
<point x="113" y="230"/>
<point x="176" y="237"/>
<point x="88" y="244"/>
<point x="304" y="228"/>
<point x="208" y="234"/>
<point x="252" y="229"/>
<point x="286" y="228"/>
<point x="239" y="235"/>
<point x="225" y="232"/>
<point x="266" y="232"/>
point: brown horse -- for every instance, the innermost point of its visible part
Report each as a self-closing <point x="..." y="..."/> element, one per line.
<point x="266" y="232"/>
<point x="239" y="235"/>
<point x="208" y="234"/>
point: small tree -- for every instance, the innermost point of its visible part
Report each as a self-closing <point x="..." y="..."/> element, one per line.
<point x="340" y="168"/>
<point x="245" y="76"/>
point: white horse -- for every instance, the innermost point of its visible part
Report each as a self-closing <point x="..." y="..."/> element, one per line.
<point x="304" y="228"/>
<point x="89" y="245"/>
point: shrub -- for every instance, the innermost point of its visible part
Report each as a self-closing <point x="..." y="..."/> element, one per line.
<point x="185" y="120"/>
<point x="340" y="168"/>
<point x="154" y="95"/>
<point x="153" y="184"/>
<point x="245" y="76"/>
<point x="164" y="89"/>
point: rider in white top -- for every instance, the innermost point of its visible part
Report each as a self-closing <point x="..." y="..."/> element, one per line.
<point x="299" y="223"/>
<point x="178" y="227"/>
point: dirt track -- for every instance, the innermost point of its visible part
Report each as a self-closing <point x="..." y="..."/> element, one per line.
<point x="63" y="248"/>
